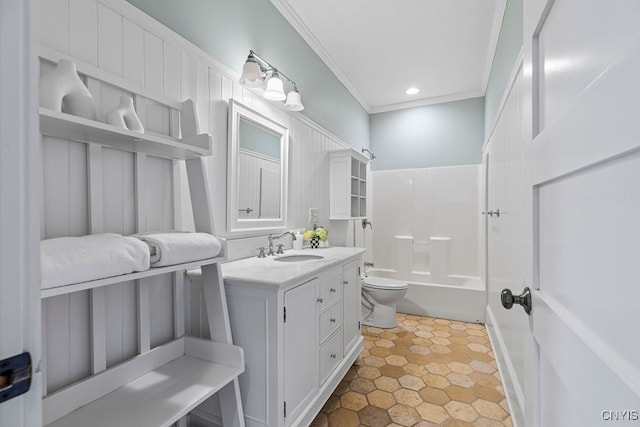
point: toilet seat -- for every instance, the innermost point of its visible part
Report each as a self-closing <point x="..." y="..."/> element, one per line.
<point x="383" y="283"/>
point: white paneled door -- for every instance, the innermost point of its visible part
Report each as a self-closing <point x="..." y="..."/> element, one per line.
<point x="582" y="62"/>
<point x="20" y="183"/>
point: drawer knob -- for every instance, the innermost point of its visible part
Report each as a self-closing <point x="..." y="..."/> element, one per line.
<point x="345" y="282"/>
<point x="320" y="300"/>
<point x="333" y="320"/>
<point x="333" y="290"/>
<point x="333" y="356"/>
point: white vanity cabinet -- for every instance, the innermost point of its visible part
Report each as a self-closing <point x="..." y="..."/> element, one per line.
<point x="300" y="336"/>
<point x="331" y="315"/>
<point x="351" y="302"/>
<point x="300" y="354"/>
<point x="348" y="185"/>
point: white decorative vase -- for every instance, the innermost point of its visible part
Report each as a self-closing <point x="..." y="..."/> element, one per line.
<point x="124" y="115"/>
<point x="62" y="90"/>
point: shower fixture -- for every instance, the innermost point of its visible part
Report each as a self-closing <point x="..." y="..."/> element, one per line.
<point x="371" y="155"/>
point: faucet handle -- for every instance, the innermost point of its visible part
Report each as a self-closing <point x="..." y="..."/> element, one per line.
<point x="280" y="251"/>
<point x="261" y="252"/>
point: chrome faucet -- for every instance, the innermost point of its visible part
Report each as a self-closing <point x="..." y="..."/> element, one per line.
<point x="271" y="238"/>
<point x="366" y="222"/>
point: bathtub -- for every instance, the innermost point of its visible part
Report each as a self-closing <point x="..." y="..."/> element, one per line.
<point x="452" y="297"/>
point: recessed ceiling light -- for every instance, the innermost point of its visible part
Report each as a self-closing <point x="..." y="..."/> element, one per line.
<point x="412" y="91"/>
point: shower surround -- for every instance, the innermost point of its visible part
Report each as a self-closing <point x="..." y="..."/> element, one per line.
<point x="427" y="232"/>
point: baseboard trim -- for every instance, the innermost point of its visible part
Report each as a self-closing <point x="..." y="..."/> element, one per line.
<point x="512" y="387"/>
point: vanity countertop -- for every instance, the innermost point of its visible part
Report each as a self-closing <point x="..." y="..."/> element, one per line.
<point x="268" y="271"/>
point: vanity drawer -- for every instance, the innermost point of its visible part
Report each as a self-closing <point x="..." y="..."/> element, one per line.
<point x="330" y="355"/>
<point x="330" y="290"/>
<point x="330" y="320"/>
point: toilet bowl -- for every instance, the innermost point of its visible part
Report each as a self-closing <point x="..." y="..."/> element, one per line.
<point x="379" y="298"/>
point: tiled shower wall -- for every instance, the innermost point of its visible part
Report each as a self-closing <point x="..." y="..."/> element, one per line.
<point x="428" y="221"/>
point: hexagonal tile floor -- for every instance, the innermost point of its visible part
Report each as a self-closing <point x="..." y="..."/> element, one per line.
<point x="425" y="372"/>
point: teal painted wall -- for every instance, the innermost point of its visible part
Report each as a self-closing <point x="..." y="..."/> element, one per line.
<point x="451" y="133"/>
<point x="447" y="134"/>
<point x="437" y="135"/>
<point x="507" y="50"/>
<point x="228" y="29"/>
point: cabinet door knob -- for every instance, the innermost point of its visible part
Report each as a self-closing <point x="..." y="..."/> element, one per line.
<point x="333" y="290"/>
<point x="333" y="320"/>
<point x="333" y="356"/>
<point x="320" y="300"/>
<point x="346" y="282"/>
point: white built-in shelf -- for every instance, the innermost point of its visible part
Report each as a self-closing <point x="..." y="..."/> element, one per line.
<point x="153" y="271"/>
<point x="160" y="397"/>
<point x="67" y="126"/>
<point x="348" y="185"/>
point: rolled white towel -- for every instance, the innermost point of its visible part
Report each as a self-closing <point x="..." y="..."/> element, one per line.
<point x="67" y="260"/>
<point x="174" y="247"/>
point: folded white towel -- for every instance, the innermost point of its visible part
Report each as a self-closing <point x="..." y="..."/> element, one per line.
<point x="67" y="260"/>
<point x="171" y="247"/>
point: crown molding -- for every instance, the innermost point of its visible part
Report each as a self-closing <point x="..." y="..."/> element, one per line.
<point x="296" y="22"/>
<point x="428" y="101"/>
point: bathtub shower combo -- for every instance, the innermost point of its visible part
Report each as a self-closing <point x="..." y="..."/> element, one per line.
<point x="426" y="246"/>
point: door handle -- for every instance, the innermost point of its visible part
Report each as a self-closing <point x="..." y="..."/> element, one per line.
<point x="492" y="213"/>
<point x="15" y="376"/>
<point x="524" y="299"/>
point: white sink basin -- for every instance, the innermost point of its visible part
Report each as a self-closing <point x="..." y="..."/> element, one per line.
<point x="298" y="258"/>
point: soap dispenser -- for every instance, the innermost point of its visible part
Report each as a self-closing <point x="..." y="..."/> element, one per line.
<point x="297" y="243"/>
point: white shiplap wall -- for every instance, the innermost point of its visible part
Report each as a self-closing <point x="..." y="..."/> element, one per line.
<point x="119" y="39"/>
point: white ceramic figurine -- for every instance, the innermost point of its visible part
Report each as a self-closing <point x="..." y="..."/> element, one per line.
<point x="62" y="90"/>
<point x="124" y="115"/>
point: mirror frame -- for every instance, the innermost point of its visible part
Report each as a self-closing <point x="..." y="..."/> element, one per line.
<point x="245" y="227"/>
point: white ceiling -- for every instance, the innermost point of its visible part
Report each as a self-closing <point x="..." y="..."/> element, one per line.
<point x="379" y="48"/>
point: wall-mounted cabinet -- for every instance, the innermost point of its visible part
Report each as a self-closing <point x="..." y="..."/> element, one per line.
<point x="348" y="185"/>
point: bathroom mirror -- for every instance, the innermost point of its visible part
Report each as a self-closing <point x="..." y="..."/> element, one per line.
<point x="257" y="172"/>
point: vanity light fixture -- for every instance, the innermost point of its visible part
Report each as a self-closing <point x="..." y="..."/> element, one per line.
<point x="254" y="73"/>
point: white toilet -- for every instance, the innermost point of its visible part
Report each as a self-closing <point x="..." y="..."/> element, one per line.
<point x="379" y="298"/>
